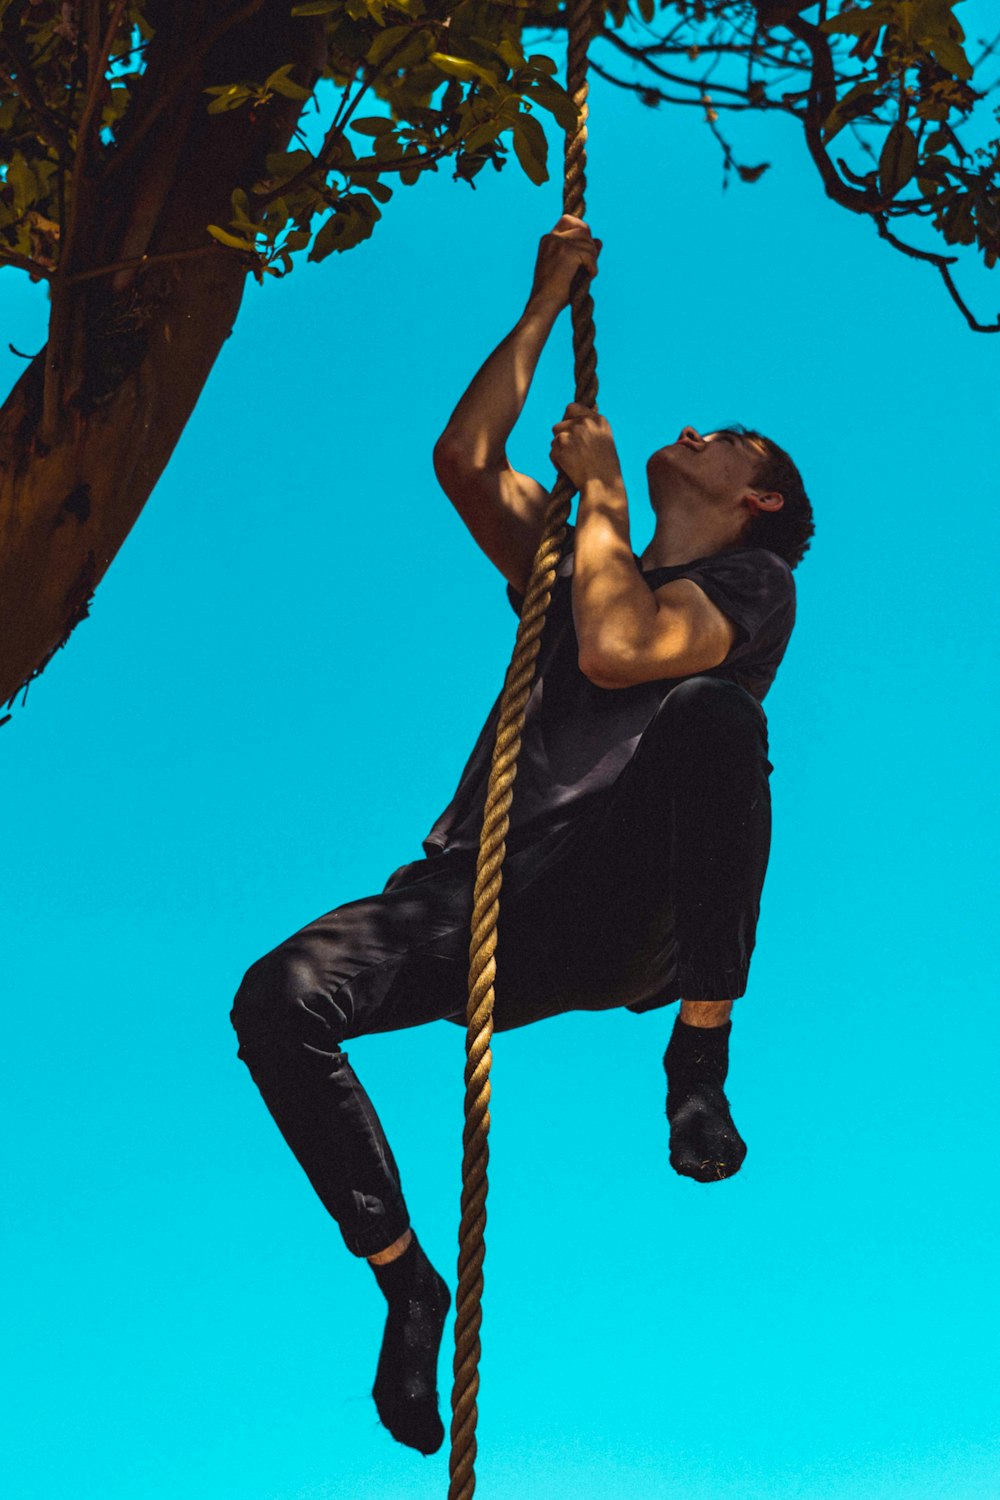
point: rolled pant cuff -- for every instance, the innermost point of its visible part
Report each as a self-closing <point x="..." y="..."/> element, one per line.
<point x="385" y="1231"/>
<point x="708" y="982"/>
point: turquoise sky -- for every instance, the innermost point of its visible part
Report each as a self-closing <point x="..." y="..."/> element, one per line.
<point x="281" y="679"/>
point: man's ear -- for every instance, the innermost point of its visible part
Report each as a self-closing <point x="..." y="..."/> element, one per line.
<point x="766" y="500"/>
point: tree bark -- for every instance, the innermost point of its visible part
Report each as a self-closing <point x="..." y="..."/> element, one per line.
<point x="135" y="349"/>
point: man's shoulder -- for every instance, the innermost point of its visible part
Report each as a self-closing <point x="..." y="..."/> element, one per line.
<point x="756" y="567"/>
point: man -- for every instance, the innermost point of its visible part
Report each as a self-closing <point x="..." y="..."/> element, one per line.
<point x="640" y="824"/>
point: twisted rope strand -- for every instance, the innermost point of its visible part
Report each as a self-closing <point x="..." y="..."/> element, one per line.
<point x="496" y="821"/>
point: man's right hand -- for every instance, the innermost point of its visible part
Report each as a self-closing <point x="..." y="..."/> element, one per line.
<point x="560" y="254"/>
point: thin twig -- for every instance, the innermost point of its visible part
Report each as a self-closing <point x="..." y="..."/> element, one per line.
<point x="321" y="160"/>
<point x="638" y="54"/>
<point x="150" y="260"/>
<point x="25" y="263"/>
<point x="941" y="263"/>
<point x="763" y="104"/>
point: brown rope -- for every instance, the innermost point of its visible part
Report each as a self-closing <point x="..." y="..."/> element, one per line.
<point x="492" y="846"/>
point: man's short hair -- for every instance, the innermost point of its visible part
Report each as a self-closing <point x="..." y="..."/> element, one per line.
<point x="786" y="531"/>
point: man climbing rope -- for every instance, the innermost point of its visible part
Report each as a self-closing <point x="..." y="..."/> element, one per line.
<point x="639" y="830"/>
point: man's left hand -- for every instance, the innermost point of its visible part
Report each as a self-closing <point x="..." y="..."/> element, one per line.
<point x="583" y="447"/>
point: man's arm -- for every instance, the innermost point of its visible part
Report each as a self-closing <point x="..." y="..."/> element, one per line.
<point x="503" y="509"/>
<point x="626" y="633"/>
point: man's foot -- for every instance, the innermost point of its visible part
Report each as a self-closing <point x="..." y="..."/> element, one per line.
<point x="405" y="1387"/>
<point x="704" y="1142"/>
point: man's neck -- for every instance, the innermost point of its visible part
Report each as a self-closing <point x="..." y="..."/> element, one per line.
<point x="680" y="539"/>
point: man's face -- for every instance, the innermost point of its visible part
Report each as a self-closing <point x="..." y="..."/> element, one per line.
<point x="718" y="465"/>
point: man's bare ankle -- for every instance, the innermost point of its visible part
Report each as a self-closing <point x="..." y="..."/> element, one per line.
<point x="391" y="1251"/>
<point x="706" y="1012"/>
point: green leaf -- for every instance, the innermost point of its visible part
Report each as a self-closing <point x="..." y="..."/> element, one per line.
<point x="325" y="242"/>
<point x="286" y="163"/>
<point x="505" y="49"/>
<point x="463" y="69"/>
<point x="373" y="125"/>
<point x="935" y="165"/>
<point x="22" y="179"/>
<point x="316" y="8"/>
<point x="277" y="218"/>
<point x="751" y="174"/>
<point x="860" y="22"/>
<point x="531" y="148"/>
<point x="232" y="98"/>
<point x="898" y="161"/>
<point x="386" y="148"/>
<point x="542" y="64"/>
<point x="951" y="56"/>
<point x="231" y="240"/>
<point x="482" y="135"/>
<point x="549" y="94"/>
<point x="280" y="83"/>
<point x="386" y="41"/>
<point x="859" y="100"/>
<point x="353" y="221"/>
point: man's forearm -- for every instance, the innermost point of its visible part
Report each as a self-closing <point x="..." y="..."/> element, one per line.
<point x="482" y="421"/>
<point x="612" y="605"/>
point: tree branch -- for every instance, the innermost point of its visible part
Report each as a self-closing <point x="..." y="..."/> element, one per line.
<point x="822" y="99"/>
<point x="942" y="263"/>
<point x="138" y="261"/>
<point x="56" y="348"/>
<point x="169" y="89"/>
<point x="699" y="49"/>
<point x="321" y="160"/>
<point x="636" y="87"/>
<point x="640" y="54"/>
<point x="25" y="263"/>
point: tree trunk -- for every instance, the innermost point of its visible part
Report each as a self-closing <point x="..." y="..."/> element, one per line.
<point x="134" y="350"/>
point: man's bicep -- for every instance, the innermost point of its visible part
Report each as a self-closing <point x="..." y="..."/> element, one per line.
<point x="692" y="627"/>
<point x="687" y="633"/>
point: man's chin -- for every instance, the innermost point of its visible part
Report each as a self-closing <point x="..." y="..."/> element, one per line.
<point x="667" y="460"/>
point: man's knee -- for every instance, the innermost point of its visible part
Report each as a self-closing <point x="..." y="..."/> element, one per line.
<point x="281" y="999"/>
<point x="714" y="707"/>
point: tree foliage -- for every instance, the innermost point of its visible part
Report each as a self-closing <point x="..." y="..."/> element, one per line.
<point x="885" y="92"/>
<point x="153" y="153"/>
<point x="893" y="98"/>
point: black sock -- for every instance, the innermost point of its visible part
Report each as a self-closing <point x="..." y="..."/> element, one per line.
<point x="704" y="1142"/>
<point x="405" y="1387"/>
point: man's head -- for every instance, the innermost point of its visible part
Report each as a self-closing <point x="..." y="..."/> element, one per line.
<point x="739" y="485"/>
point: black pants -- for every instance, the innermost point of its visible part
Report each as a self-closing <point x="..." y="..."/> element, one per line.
<point x="652" y="895"/>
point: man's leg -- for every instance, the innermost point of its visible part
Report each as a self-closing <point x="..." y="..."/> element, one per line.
<point x="357" y="970"/>
<point x="704" y="1142"/>
<point x="657" y="898"/>
<point x="715" y="737"/>
<point x="722" y="835"/>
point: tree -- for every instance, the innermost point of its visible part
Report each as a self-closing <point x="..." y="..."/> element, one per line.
<point x="155" y="153"/>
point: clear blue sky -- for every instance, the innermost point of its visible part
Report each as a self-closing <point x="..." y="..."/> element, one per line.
<point x="281" y="679"/>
